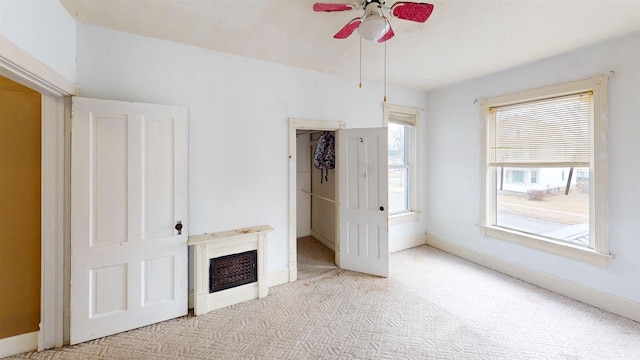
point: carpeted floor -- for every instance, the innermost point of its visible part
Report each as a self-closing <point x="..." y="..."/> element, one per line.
<point x="314" y="259"/>
<point x="433" y="306"/>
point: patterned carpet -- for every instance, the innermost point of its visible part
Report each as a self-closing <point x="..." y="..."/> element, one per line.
<point x="314" y="259"/>
<point x="433" y="306"/>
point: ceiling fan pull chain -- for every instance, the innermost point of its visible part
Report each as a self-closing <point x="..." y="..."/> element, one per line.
<point x="360" y="63"/>
<point x="385" y="71"/>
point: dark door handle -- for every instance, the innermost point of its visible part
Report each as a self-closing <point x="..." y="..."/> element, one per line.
<point x="179" y="227"/>
<point x="381" y="208"/>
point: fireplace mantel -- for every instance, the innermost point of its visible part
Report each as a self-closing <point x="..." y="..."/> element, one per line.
<point x="213" y="245"/>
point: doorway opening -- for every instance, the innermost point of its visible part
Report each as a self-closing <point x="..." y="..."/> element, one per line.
<point x="313" y="233"/>
<point x="50" y="88"/>
<point x="361" y="197"/>
<point x="316" y="208"/>
<point x="20" y="215"/>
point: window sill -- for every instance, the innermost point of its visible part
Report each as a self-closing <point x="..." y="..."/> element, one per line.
<point x="402" y="218"/>
<point x="540" y="243"/>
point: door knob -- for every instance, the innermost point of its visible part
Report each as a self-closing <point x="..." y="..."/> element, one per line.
<point x="381" y="208"/>
<point x="179" y="227"/>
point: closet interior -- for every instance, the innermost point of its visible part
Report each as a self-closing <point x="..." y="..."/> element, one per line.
<point x="315" y="203"/>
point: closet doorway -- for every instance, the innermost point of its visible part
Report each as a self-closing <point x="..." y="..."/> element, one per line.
<point x="316" y="208"/>
<point x="313" y="211"/>
<point x="360" y="198"/>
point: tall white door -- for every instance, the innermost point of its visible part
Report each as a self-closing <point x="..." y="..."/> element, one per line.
<point x="363" y="214"/>
<point x="128" y="195"/>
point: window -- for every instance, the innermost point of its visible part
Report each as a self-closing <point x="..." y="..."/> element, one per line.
<point x="546" y="133"/>
<point x="582" y="175"/>
<point x="517" y="176"/>
<point x="401" y="124"/>
<point x="399" y="167"/>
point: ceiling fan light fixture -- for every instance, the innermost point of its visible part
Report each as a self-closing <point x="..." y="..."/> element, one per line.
<point x="374" y="27"/>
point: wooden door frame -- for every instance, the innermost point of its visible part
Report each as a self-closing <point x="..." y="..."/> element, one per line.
<point x="300" y="124"/>
<point x="21" y="67"/>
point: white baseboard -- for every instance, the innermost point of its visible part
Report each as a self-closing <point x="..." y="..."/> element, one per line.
<point x="278" y="277"/>
<point x="325" y="241"/>
<point x="600" y="299"/>
<point x="18" y="344"/>
<point x="398" y="244"/>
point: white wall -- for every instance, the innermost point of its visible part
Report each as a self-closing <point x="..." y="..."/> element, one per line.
<point x="453" y="122"/>
<point x="238" y="130"/>
<point x="303" y="181"/>
<point x="44" y="30"/>
<point x="323" y="212"/>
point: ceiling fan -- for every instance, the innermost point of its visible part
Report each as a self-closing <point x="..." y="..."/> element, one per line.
<point x="373" y="24"/>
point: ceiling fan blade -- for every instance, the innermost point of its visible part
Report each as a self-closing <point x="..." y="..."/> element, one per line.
<point x="327" y="7"/>
<point x="348" y="29"/>
<point x="388" y="35"/>
<point x="412" y="11"/>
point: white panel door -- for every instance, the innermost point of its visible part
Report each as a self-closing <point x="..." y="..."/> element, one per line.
<point x="363" y="214"/>
<point x="128" y="193"/>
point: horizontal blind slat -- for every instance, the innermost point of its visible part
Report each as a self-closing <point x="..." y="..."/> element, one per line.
<point x="550" y="131"/>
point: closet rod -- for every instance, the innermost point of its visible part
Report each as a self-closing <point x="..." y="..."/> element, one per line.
<point x="318" y="196"/>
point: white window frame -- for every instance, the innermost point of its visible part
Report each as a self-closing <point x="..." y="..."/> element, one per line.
<point x="411" y="115"/>
<point x="599" y="254"/>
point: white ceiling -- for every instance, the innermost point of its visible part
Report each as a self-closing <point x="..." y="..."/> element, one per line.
<point x="461" y="40"/>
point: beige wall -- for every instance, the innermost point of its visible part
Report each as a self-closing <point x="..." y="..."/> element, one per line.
<point x="20" y="140"/>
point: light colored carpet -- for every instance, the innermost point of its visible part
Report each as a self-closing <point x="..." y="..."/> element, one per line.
<point x="314" y="259"/>
<point x="433" y="306"/>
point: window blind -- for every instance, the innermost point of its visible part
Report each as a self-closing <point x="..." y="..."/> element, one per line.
<point x="402" y="118"/>
<point x="552" y="132"/>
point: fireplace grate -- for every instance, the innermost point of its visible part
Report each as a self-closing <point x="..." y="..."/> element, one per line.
<point x="233" y="270"/>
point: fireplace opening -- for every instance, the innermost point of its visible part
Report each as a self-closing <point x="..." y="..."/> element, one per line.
<point x="233" y="270"/>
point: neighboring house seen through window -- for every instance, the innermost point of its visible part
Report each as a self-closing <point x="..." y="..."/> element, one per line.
<point x="544" y="141"/>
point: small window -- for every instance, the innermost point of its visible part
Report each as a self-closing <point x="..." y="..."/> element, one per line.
<point x="399" y="168"/>
<point x="545" y="134"/>
<point x="401" y="125"/>
<point x="517" y="176"/>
